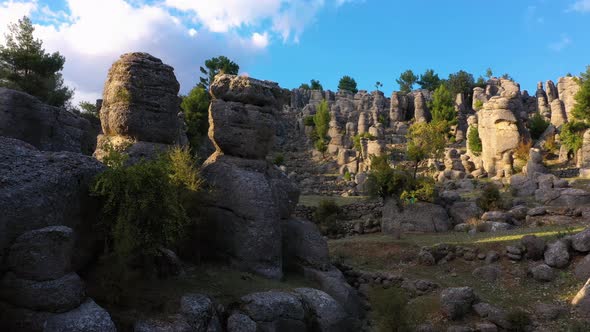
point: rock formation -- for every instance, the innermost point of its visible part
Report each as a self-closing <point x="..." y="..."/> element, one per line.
<point x="48" y="128"/>
<point x="251" y="196"/>
<point x="140" y="107"/>
<point x="585" y="156"/>
<point x="567" y="88"/>
<point x="46" y="234"/>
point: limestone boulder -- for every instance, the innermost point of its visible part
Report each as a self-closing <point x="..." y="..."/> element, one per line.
<point x="567" y="88"/>
<point x="42" y="254"/>
<point x="274" y="310"/>
<point x="89" y="317"/>
<point x="456" y="302"/>
<point x="48" y="128"/>
<point x="250" y="91"/>
<point x="557" y="254"/>
<point x="241" y="130"/>
<point x="200" y="312"/>
<point x="41" y="189"/>
<point x="304" y="245"/>
<point x="420" y="217"/>
<point x="326" y="313"/>
<point x="140" y="100"/>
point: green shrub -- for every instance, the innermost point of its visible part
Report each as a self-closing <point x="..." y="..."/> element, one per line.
<point x="489" y="198"/>
<point x="326" y="216"/>
<point x="308" y="121"/>
<point x="537" y="125"/>
<point x="474" y="141"/>
<point x="279" y="160"/>
<point x="384" y="120"/>
<point x="571" y="134"/>
<point x="519" y="320"/>
<point x="478" y="105"/>
<point x="422" y="189"/>
<point x="322" y="120"/>
<point x="321" y="145"/>
<point x="144" y="204"/>
<point x="390" y="309"/>
<point x="347" y="176"/>
<point x="523" y="150"/>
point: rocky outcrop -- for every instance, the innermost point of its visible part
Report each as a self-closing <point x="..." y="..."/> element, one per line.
<point x="47" y="128"/>
<point x="418" y="217"/>
<point x="251" y="196"/>
<point x="567" y="88"/>
<point x="500" y="131"/>
<point x="140" y="109"/>
<point x="41" y="189"/>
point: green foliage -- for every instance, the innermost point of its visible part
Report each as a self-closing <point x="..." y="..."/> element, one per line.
<point x="425" y="141"/>
<point x="537" y="125"/>
<point x="122" y="95"/>
<point x="321" y="145"/>
<point x="215" y="66"/>
<point x="571" y="134"/>
<point x="460" y="82"/>
<point x="195" y="107"/>
<point x="481" y="83"/>
<point x="89" y="108"/>
<point x="279" y="159"/>
<point x="308" y="121"/>
<point x="385" y="181"/>
<point x="429" y="80"/>
<point x="422" y="189"/>
<point x="390" y="309"/>
<point x="478" y="105"/>
<point x="144" y="204"/>
<point x="356" y="140"/>
<point x="406" y="81"/>
<point x="519" y="320"/>
<point x="304" y="86"/>
<point x="474" y="141"/>
<point x="378" y="85"/>
<point x="489" y="198"/>
<point x="507" y="76"/>
<point x="581" y="110"/>
<point x="347" y="83"/>
<point x="489" y="73"/>
<point x="347" y="176"/>
<point x="321" y="120"/>
<point x="25" y="66"/>
<point x="315" y="85"/>
<point x="442" y="106"/>
<point x="384" y="120"/>
<point x="326" y="216"/>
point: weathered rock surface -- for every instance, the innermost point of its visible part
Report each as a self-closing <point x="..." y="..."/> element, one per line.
<point x="89" y="317"/>
<point x="303" y="245"/>
<point x="140" y="106"/>
<point x="542" y="272"/>
<point x="199" y="312"/>
<point x="250" y="196"/>
<point x="41" y="189"/>
<point x="274" y="309"/>
<point x="567" y="88"/>
<point x="457" y="302"/>
<point x="175" y="323"/>
<point x="420" y="216"/>
<point x="326" y="313"/>
<point x="42" y="254"/>
<point x="238" y="322"/>
<point x="557" y="255"/>
<point x="48" y="128"/>
<point x="59" y="295"/>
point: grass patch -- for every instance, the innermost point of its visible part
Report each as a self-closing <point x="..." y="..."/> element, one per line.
<point x="515" y="291"/>
<point x="159" y="298"/>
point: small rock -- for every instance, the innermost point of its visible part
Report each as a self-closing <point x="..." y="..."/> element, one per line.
<point x="557" y="255"/>
<point x="537" y="211"/>
<point x="582" y="269"/>
<point x="549" y="312"/>
<point x="88" y="317"/>
<point x="486" y="327"/>
<point x="456" y="302"/>
<point x="542" y="272"/>
<point x="489" y="273"/>
<point x="239" y="322"/>
<point x="534" y="247"/>
<point x="492" y="256"/>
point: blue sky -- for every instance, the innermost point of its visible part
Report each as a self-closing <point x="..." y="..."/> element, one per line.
<point x="293" y="41"/>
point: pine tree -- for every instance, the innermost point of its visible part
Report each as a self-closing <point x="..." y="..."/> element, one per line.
<point x="25" y="66"/>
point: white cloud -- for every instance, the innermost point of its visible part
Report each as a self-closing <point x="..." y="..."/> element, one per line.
<point x="564" y="42"/>
<point x="260" y="40"/>
<point x="11" y="11"/>
<point x="183" y="33"/>
<point x="582" y="6"/>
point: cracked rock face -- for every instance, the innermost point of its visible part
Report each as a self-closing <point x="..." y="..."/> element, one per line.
<point x="250" y="195"/>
